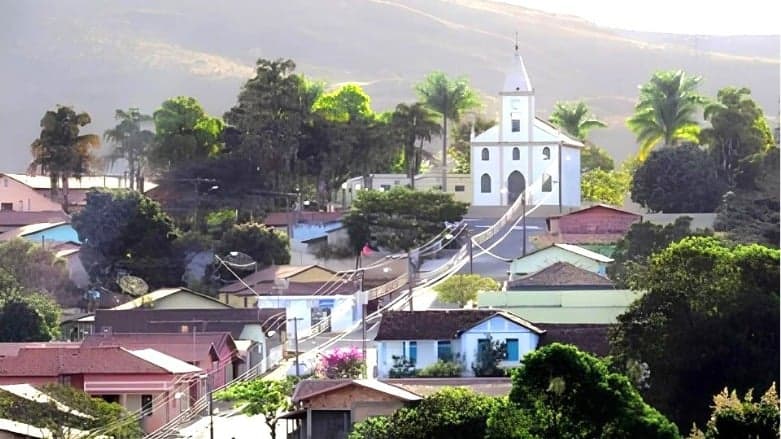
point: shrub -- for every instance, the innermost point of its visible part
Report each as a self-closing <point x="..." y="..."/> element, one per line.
<point x="442" y="369"/>
<point x="489" y="355"/>
<point x="341" y="363"/>
<point x="402" y="368"/>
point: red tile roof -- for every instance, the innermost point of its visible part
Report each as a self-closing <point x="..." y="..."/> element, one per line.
<point x="188" y="347"/>
<point x="593" y="338"/>
<point x="438" y="324"/>
<point x="561" y="274"/>
<point x="13" y="218"/>
<point x="285" y="218"/>
<point x="597" y="206"/>
<point x="308" y="389"/>
<point x="51" y="362"/>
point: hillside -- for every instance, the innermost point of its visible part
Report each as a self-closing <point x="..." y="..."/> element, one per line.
<point x="99" y="56"/>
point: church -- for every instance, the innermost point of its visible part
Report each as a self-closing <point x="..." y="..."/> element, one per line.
<point x="523" y="153"/>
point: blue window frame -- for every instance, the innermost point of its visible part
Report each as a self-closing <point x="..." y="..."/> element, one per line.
<point x="444" y="350"/>
<point x="512" y="349"/>
<point x="413" y="352"/>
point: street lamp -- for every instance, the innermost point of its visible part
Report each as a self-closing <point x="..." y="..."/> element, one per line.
<point x="205" y="377"/>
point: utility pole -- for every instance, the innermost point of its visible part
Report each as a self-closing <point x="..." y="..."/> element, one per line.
<point x="410" y="276"/>
<point x="295" y="338"/>
<point x="364" y="301"/>
<point x="211" y="409"/>
<point x="469" y="246"/>
<point x="523" y="202"/>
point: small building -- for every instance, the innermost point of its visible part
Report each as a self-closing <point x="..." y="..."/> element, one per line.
<point x="572" y="254"/>
<point x="140" y="380"/>
<point x="273" y="280"/>
<point x="423" y="337"/>
<point x="459" y="185"/>
<point x="596" y="224"/>
<point x="13" y="219"/>
<point x="560" y="276"/>
<point x="329" y="408"/>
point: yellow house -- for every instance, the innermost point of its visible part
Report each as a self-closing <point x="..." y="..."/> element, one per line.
<point x="460" y="185"/>
<point x="274" y="280"/>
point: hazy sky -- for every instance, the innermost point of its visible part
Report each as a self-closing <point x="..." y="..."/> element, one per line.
<point x="719" y="17"/>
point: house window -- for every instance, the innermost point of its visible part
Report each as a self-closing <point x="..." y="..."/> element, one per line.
<point x="444" y="350"/>
<point x="485" y="155"/>
<point x="413" y="352"/>
<point x="546" y="153"/>
<point x="184" y="329"/>
<point x="385" y="187"/>
<point x="146" y="405"/>
<point x="516" y="125"/>
<point x="516" y="154"/>
<point x="483" y="344"/>
<point x="459" y="188"/>
<point x="6" y="207"/>
<point x="547" y="183"/>
<point x="485" y="184"/>
<point x="512" y="349"/>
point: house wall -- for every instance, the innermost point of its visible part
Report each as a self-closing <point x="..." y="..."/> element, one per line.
<point x="548" y="256"/>
<point x="593" y="221"/>
<point x="346" y="397"/>
<point x="23" y="197"/>
<point x="570" y="170"/>
<point x="500" y="329"/>
<point x="342" y="313"/>
<point x="426" y="182"/>
<point x="426" y="354"/>
<point x="186" y="300"/>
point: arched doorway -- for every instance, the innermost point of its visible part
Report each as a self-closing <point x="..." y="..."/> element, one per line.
<point x="516" y="184"/>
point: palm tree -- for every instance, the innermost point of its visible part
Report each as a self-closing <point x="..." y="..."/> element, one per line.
<point x="413" y="123"/>
<point x="450" y="98"/>
<point x="130" y="143"/>
<point x="575" y="119"/>
<point x="665" y="111"/>
<point x="60" y="151"/>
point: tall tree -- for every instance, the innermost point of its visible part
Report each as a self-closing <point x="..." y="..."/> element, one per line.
<point x="708" y="319"/>
<point x="258" y="397"/>
<point x="31" y="267"/>
<point x="593" y="157"/>
<point x="184" y="133"/>
<point x="609" y="187"/>
<point x="461" y="149"/>
<point x="413" y="123"/>
<point x="738" y="130"/>
<point x="450" y="98"/>
<point x="61" y="151"/>
<point x="131" y="142"/>
<point x="575" y="119"/>
<point x="665" y="111"/>
<point x="28" y="316"/>
<point x="463" y="288"/>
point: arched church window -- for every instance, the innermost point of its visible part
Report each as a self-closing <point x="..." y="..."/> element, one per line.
<point x="485" y="155"/>
<point x="485" y="183"/>
<point x="546" y="153"/>
<point x="547" y="183"/>
<point x="516" y="153"/>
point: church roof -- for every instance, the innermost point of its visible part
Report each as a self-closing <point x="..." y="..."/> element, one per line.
<point x="516" y="79"/>
<point x="543" y="132"/>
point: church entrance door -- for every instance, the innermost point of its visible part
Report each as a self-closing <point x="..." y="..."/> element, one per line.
<point x="516" y="184"/>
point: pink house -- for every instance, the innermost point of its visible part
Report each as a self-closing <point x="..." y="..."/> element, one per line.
<point x="144" y="381"/>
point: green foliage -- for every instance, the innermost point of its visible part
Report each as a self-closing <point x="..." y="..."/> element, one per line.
<point x="738" y="131"/>
<point x="452" y="413"/>
<point x="441" y="369"/>
<point x="131" y="142"/>
<point x="665" y="111"/>
<point x="677" y="180"/>
<point x="461" y="147"/>
<point x="736" y="418"/>
<point x="410" y="124"/>
<point x="641" y="241"/>
<point x="463" y="288"/>
<point x="569" y="393"/>
<point x="266" y="245"/>
<point x="402" y="368"/>
<point x="60" y="151"/>
<point x="30" y="267"/>
<point x="507" y="421"/>
<point x="258" y="397"/>
<point x="608" y="187"/>
<point x="348" y="102"/>
<point x="594" y="157"/>
<point x="20" y="321"/>
<point x="219" y="222"/>
<point x="488" y="357"/>
<point x="575" y="119"/>
<point x="708" y="319"/>
<point x="184" y="133"/>
<point x="400" y="218"/>
<point x="125" y="230"/>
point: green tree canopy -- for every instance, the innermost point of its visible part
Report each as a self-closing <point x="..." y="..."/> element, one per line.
<point x="665" y="111"/>
<point x="567" y="393"/>
<point x="30" y="267"/>
<point x="709" y="319"/>
<point x="258" y="397"/>
<point x="123" y="230"/>
<point x="184" y="133"/>
<point x="678" y="180"/>
<point x="131" y="142"/>
<point x="463" y="288"/>
<point x="410" y="124"/>
<point x="450" y="98"/>
<point x="594" y="157"/>
<point x="61" y="151"/>
<point x="746" y="418"/>
<point x="461" y="147"/>
<point x="266" y="245"/>
<point x="608" y="187"/>
<point x="27" y="317"/>
<point x="400" y="218"/>
<point x="451" y="413"/>
<point x="738" y="130"/>
<point x="575" y="119"/>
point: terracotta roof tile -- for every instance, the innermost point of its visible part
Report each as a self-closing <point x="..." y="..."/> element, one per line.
<point x="427" y="386"/>
<point x="308" y="389"/>
<point x="184" y="346"/>
<point x="593" y="338"/>
<point x="65" y="361"/>
<point x="561" y="274"/>
<point x="12" y="218"/>
<point x="439" y="324"/>
<point x="595" y="207"/>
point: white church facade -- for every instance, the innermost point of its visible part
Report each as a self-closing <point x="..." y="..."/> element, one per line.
<point x="523" y="153"/>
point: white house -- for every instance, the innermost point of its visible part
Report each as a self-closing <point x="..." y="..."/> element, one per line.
<point x="423" y="337"/>
<point x="523" y="151"/>
<point x="572" y="254"/>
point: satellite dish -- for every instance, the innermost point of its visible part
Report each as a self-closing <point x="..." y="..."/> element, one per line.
<point x="135" y="286"/>
<point x="239" y="261"/>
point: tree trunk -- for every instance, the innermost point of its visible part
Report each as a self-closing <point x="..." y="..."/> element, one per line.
<point x="53" y="184"/>
<point x="272" y="427"/>
<point x="65" y="201"/>
<point x="444" y="150"/>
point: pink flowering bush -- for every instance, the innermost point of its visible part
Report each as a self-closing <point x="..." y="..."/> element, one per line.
<point x="341" y="363"/>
